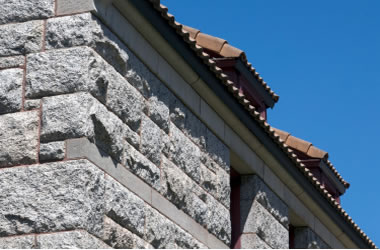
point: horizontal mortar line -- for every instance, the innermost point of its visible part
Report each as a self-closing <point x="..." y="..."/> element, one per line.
<point x="150" y="203"/>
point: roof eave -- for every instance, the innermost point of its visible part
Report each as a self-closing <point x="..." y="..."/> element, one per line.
<point x="258" y="87"/>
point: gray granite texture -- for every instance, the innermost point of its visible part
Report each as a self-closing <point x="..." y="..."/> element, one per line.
<point x="305" y="238"/>
<point x="10" y="90"/>
<point x="13" y="11"/>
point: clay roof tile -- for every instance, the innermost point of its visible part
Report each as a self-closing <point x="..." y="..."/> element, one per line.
<point x="298" y="144"/>
<point x="315" y="152"/>
<point x="210" y="42"/>
<point x="231" y="51"/>
<point x="193" y="32"/>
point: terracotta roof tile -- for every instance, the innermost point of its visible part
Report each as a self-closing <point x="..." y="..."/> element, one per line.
<point x="231" y="51"/>
<point x="224" y="49"/>
<point x="298" y="144"/>
<point x="265" y="126"/>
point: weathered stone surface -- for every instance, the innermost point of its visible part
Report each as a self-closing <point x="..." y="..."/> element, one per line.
<point x="252" y="241"/>
<point x="52" y="151"/>
<point x="10" y="90"/>
<point x="81" y="115"/>
<point x="124" y="207"/>
<point x="18" y="138"/>
<point x="19" y="242"/>
<point x="17" y="11"/>
<point x="162" y="233"/>
<point x="81" y="69"/>
<point x="223" y="187"/>
<point x="87" y="30"/>
<point x="159" y="102"/>
<point x="126" y="102"/>
<point x="140" y="76"/>
<point x="151" y="140"/>
<point x="120" y="238"/>
<point x="257" y="191"/>
<point x="12" y="62"/>
<point x="20" y="38"/>
<point x="218" y="219"/>
<point x="142" y="167"/>
<point x="256" y="219"/>
<point x="184" y="153"/>
<point x="51" y="197"/>
<point x="188" y="123"/>
<point x="305" y="238"/>
<point x="67" y="116"/>
<point x="217" y="150"/>
<point x="32" y="104"/>
<point x="72" y="239"/>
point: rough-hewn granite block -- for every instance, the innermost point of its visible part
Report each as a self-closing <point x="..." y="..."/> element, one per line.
<point x="69" y="240"/>
<point x="18" y="138"/>
<point x="151" y="140"/>
<point x="252" y="241"/>
<point x="256" y="219"/>
<point x="51" y="197"/>
<point x="52" y="151"/>
<point x="124" y="207"/>
<point x="20" y="38"/>
<point x="87" y="30"/>
<point x="11" y="62"/>
<point x="162" y="233"/>
<point x="255" y="190"/>
<point x="184" y="153"/>
<point x="10" y="90"/>
<point x="121" y="238"/>
<point x="81" y="69"/>
<point x="12" y="11"/>
<point x="19" y="242"/>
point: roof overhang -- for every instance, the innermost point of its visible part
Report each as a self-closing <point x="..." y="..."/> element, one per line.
<point x="176" y="42"/>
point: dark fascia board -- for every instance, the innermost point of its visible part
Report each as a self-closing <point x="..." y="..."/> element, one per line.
<point x="176" y="41"/>
<point x="332" y="177"/>
<point x="242" y="68"/>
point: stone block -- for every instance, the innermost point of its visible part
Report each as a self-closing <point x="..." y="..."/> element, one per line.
<point x="19" y="242"/>
<point x="151" y="140"/>
<point x="219" y="152"/>
<point x="11" y="90"/>
<point x="86" y="30"/>
<point x="252" y="241"/>
<point x="91" y="120"/>
<point x="218" y="219"/>
<point x="12" y="11"/>
<point x="184" y="153"/>
<point x="120" y="238"/>
<point x="142" y="167"/>
<point x="256" y="219"/>
<point x="255" y="190"/>
<point x="188" y="123"/>
<point x="32" y="104"/>
<point x="162" y="233"/>
<point x="12" y="62"/>
<point x="212" y="119"/>
<point x="123" y="207"/>
<point x="20" y="38"/>
<point x="81" y="69"/>
<point x="67" y="240"/>
<point x="305" y="238"/>
<point x="52" y="151"/>
<point x="159" y="103"/>
<point x="19" y="138"/>
<point x="51" y="197"/>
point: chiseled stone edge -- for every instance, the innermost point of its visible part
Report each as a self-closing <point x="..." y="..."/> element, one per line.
<point x="83" y="148"/>
<point x="66" y="7"/>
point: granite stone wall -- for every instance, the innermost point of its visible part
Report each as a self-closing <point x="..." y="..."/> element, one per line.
<point x="70" y="77"/>
<point x="264" y="217"/>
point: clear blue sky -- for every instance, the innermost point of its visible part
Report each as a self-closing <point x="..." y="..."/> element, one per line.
<point x="323" y="59"/>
